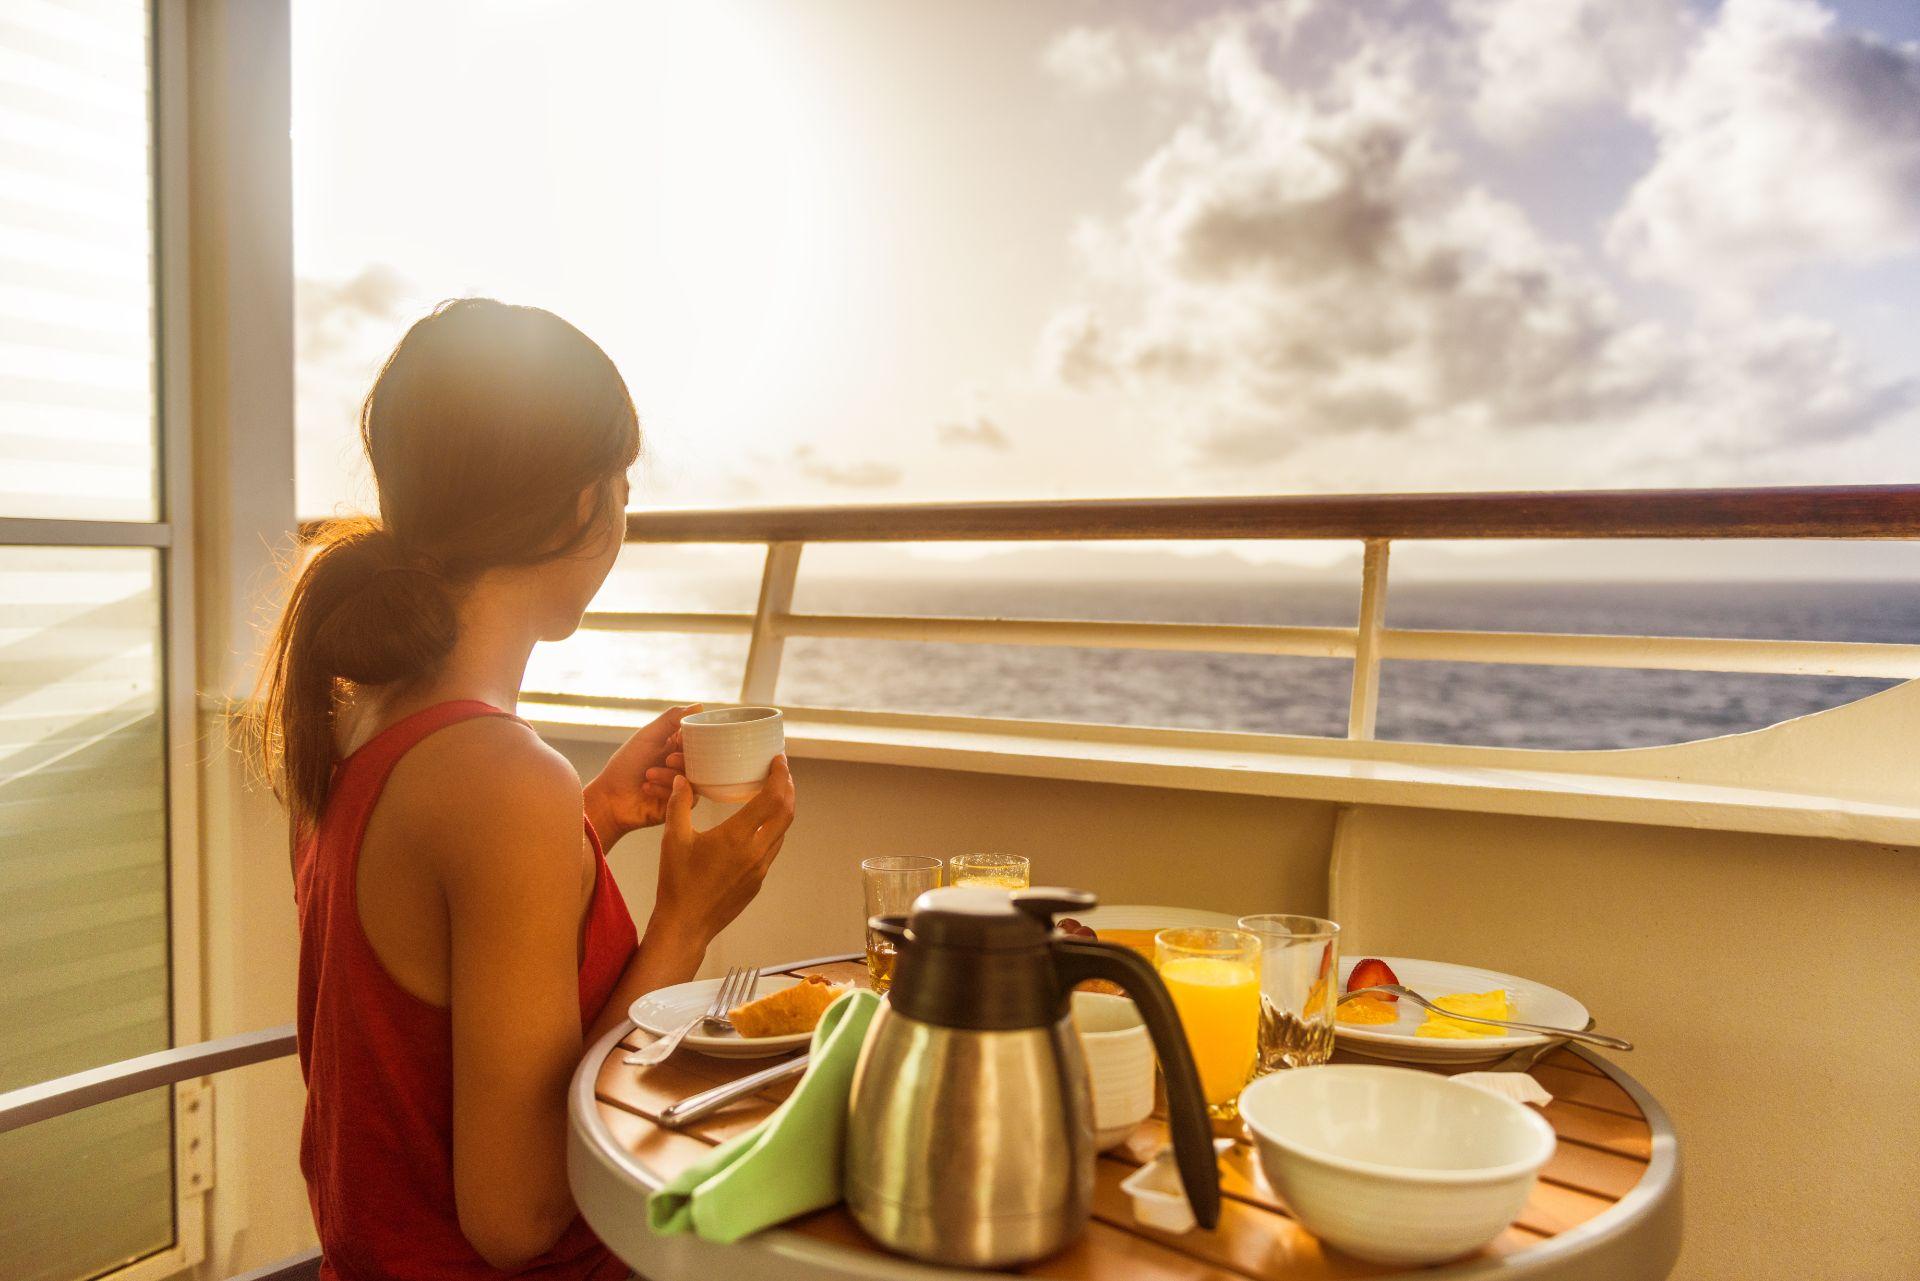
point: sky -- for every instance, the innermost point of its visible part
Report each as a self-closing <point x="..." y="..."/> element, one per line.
<point x="865" y="251"/>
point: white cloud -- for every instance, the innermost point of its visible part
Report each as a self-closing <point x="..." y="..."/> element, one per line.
<point x="347" y="315"/>
<point x="1784" y="141"/>
<point x="844" y="475"/>
<point x="345" y="328"/>
<point x="1304" y="259"/>
<point x="1534" y="62"/>
<point x="1090" y="59"/>
<point x="977" y="432"/>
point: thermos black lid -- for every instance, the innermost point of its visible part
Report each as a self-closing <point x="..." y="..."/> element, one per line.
<point x="976" y="957"/>
<point x="982" y="919"/>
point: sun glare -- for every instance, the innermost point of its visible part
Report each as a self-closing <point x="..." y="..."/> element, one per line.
<point x="731" y="176"/>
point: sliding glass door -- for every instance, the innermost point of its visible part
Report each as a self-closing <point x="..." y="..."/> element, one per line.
<point x="86" y="549"/>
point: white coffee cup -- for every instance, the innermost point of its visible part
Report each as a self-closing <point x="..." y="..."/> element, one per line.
<point x="1119" y="1055"/>
<point x="729" y="750"/>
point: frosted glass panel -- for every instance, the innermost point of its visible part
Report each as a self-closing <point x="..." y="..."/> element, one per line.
<point x="76" y="272"/>
<point x="83" y="903"/>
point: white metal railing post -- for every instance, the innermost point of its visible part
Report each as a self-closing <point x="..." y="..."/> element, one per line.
<point x="776" y="600"/>
<point x="1364" y="706"/>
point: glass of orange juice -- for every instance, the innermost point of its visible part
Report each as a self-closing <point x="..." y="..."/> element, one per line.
<point x="1213" y="977"/>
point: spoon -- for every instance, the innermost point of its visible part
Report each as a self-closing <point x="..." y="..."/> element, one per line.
<point x="1585" y="1038"/>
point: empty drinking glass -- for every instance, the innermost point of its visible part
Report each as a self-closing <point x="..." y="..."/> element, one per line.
<point x="1299" y="988"/>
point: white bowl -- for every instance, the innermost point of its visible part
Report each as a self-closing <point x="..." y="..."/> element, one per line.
<point x="730" y="749"/>
<point x="1395" y="1165"/>
<point x="1119" y="1055"/>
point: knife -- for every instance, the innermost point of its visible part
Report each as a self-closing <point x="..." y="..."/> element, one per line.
<point x="695" y="1106"/>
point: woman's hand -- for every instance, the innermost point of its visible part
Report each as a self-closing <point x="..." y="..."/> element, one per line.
<point x="706" y="878"/>
<point x="633" y="790"/>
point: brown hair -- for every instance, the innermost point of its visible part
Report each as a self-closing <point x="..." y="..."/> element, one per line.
<point x="484" y="427"/>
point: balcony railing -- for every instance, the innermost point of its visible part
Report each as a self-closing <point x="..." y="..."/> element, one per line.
<point x="1377" y="521"/>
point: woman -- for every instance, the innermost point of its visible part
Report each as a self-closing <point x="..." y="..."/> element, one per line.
<point x="461" y="939"/>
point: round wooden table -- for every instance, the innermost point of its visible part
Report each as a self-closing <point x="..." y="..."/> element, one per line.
<point x="1606" y="1207"/>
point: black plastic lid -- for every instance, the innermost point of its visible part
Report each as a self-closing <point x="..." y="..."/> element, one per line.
<point x="976" y="957"/>
<point x="975" y="918"/>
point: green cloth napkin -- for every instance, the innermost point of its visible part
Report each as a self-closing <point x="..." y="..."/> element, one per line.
<point x="790" y="1162"/>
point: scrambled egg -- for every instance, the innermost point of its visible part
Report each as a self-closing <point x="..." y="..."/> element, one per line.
<point x="1486" y="1005"/>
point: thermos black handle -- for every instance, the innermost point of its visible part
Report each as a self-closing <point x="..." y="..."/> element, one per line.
<point x="1075" y="959"/>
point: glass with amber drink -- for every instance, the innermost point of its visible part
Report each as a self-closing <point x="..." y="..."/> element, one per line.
<point x="1001" y="871"/>
<point x="892" y="883"/>
<point x="1299" y="988"/>
<point x="1213" y="977"/>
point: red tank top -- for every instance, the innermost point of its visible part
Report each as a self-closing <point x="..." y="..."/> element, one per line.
<point x="377" y="1144"/>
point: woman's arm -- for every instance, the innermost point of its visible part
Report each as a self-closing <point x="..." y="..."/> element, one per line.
<point x="706" y="878"/>
<point x="510" y="866"/>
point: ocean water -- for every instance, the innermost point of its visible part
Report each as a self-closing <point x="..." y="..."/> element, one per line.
<point x="1489" y="704"/>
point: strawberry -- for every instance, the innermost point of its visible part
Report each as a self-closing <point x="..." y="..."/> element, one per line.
<point x="1371" y="973"/>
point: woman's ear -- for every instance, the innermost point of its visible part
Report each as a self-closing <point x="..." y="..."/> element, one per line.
<point x="601" y="505"/>
<point x="591" y="505"/>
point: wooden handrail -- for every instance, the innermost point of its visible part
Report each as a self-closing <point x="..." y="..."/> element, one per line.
<point x="1788" y="511"/>
<point x="1838" y="511"/>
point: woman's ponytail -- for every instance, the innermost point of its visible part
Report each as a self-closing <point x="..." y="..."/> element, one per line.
<point x="360" y="612"/>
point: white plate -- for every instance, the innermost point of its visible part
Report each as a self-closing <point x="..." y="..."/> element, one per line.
<point x="1529" y="1002"/>
<point x="662" y="1011"/>
<point x="1133" y="917"/>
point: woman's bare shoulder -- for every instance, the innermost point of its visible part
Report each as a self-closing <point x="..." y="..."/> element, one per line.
<point x="488" y="787"/>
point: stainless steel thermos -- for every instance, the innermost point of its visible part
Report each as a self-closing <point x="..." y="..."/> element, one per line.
<point x="970" y="1130"/>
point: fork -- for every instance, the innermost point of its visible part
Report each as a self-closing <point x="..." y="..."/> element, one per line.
<point x="1585" y="1038"/>
<point x="736" y="989"/>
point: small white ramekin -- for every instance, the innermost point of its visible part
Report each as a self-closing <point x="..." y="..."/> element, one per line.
<point x="730" y="749"/>
<point x="1394" y="1165"/>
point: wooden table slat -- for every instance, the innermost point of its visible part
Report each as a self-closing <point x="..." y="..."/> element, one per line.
<point x="1606" y="1174"/>
<point x="1569" y="1061"/>
<point x="1601" y="1092"/>
<point x="1610" y="1131"/>
<point x="1552" y="1208"/>
<point x="1252" y="1241"/>
<point x="645" y="1091"/>
<point x="666" y="1152"/>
